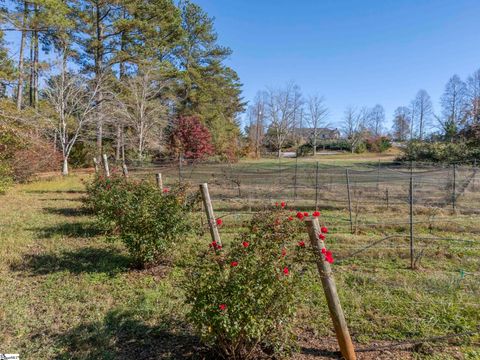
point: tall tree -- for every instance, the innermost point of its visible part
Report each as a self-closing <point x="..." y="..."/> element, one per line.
<point x="421" y="113"/>
<point x="281" y="107"/>
<point x="401" y="123"/>
<point x="454" y="106"/>
<point x="473" y="97"/>
<point x="354" y="125"/>
<point x="256" y="129"/>
<point x="207" y="88"/>
<point x="376" y="120"/>
<point x="317" y="114"/>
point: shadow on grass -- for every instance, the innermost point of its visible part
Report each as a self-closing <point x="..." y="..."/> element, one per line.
<point x="122" y="336"/>
<point x="73" y="211"/>
<point x="55" y="191"/>
<point x="83" y="229"/>
<point x="319" y="352"/>
<point x="86" y="260"/>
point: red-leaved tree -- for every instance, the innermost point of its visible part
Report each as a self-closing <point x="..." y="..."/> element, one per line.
<point x="190" y="139"/>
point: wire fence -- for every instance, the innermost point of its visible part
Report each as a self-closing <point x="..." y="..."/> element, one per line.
<point x="413" y="215"/>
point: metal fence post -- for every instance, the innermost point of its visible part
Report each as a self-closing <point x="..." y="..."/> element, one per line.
<point x="412" y="249"/>
<point x="454" y="187"/>
<point x="295" y="179"/>
<point x="349" y="199"/>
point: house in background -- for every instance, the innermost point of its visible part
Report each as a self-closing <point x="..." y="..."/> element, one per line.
<point x="305" y="135"/>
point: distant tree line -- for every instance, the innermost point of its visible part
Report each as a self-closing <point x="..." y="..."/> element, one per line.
<point x="103" y="76"/>
<point x="276" y="115"/>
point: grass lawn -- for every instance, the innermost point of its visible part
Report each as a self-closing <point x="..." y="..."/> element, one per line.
<point x="66" y="293"/>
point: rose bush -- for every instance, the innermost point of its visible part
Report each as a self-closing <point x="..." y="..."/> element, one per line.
<point x="243" y="297"/>
<point x="145" y="219"/>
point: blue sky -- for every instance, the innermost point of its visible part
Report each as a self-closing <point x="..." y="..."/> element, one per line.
<point x="352" y="52"/>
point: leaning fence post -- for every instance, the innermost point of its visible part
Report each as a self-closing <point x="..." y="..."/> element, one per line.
<point x="330" y="290"/>
<point x="412" y="248"/>
<point x="125" y="170"/>
<point x="95" y="163"/>
<point x="212" y="222"/>
<point x="349" y="200"/>
<point x="316" y="187"/>
<point x="105" y="165"/>
<point x="159" y="180"/>
<point x="474" y="174"/>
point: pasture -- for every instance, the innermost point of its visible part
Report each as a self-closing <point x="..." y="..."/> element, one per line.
<point x="67" y="293"/>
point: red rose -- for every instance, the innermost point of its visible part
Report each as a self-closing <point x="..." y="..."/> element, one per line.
<point x="305" y="213"/>
<point x="165" y="190"/>
<point x="290" y="218"/>
<point x="285" y="271"/>
<point x="299" y="215"/>
<point x="222" y="307"/>
<point x="329" y="257"/>
<point x="321" y="237"/>
<point x="316" y="214"/>
<point x="324" y="230"/>
<point x="276" y="204"/>
<point x="245" y="244"/>
<point x="283" y="204"/>
<point x="219" y="222"/>
<point x="324" y="251"/>
<point x="301" y="243"/>
<point x="234" y="263"/>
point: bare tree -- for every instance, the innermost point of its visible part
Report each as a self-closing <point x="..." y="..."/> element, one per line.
<point x="421" y="114"/>
<point x="473" y="97"/>
<point x="354" y="125"/>
<point x="317" y="114"/>
<point x="256" y="129"/>
<point x="72" y="97"/>
<point x="141" y="109"/>
<point x="281" y="109"/>
<point x="376" y="120"/>
<point x="401" y="123"/>
<point x="454" y="107"/>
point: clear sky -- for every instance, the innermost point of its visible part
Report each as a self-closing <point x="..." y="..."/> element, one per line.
<point x="353" y="52"/>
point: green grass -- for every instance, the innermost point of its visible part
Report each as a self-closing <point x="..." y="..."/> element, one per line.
<point x="67" y="293"/>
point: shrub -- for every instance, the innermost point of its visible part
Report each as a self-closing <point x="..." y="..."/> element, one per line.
<point x="461" y="152"/>
<point x="146" y="220"/>
<point x="378" y="144"/>
<point x="5" y="177"/>
<point x="243" y="299"/>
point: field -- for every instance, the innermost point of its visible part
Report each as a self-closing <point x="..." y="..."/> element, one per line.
<point x="66" y="293"/>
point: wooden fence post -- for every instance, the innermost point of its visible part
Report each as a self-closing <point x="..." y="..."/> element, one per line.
<point x="412" y="247"/>
<point x="105" y="165"/>
<point x="95" y="164"/>
<point x="316" y="187"/>
<point x="159" y="180"/>
<point x="212" y="222"/>
<point x="349" y="200"/>
<point x="330" y="290"/>
<point x="125" y="170"/>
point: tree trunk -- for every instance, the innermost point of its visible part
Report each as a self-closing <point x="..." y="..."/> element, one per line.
<point x="65" y="166"/>
<point x="279" y="153"/>
<point x="118" y="144"/>
<point x="20" y="60"/>
<point x="35" y="65"/>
